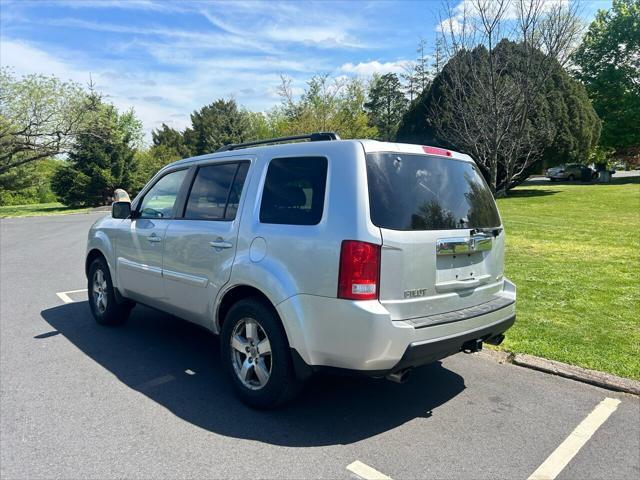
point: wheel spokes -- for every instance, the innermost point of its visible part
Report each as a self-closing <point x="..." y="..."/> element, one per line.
<point x="261" y="371"/>
<point x="251" y="331"/>
<point x="246" y="368"/>
<point x="264" y="347"/>
<point x="101" y="301"/>
<point x="251" y="353"/>
<point x="240" y="344"/>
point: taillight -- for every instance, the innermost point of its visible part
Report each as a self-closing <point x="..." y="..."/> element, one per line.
<point x="437" y="151"/>
<point x="359" y="275"/>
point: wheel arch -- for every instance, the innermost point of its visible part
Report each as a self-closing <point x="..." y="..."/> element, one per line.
<point x="242" y="291"/>
<point x="234" y="295"/>
<point x="91" y="256"/>
<point x="100" y="245"/>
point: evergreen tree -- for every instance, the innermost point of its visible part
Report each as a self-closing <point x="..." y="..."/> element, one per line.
<point x="417" y="75"/>
<point x="422" y="72"/>
<point x="385" y="105"/>
<point x="438" y="57"/>
<point x="102" y="157"/>
<point x="170" y="138"/>
<point x="560" y="124"/>
<point x="216" y="125"/>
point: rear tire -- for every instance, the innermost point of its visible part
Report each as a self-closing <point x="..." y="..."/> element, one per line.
<point x="256" y="355"/>
<point x="572" y="178"/>
<point x="106" y="307"/>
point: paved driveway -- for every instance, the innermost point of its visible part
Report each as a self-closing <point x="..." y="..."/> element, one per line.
<point x="620" y="176"/>
<point x="149" y="400"/>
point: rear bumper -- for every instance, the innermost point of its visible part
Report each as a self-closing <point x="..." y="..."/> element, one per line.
<point x="360" y="337"/>
<point x="422" y="353"/>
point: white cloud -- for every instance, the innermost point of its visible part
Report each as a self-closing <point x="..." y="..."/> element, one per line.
<point x="321" y="36"/>
<point x="196" y="39"/>
<point x="167" y="59"/>
<point x="160" y="96"/>
<point x="369" y="68"/>
<point x="509" y="10"/>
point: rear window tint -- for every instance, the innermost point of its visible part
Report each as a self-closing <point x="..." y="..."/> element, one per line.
<point x="294" y="191"/>
<point x="236" y="191"/>
<point x="208" y="196"/>
<point x="422" y="192"/>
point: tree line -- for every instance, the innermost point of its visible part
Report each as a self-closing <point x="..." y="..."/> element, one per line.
<point x="513" y="94"/>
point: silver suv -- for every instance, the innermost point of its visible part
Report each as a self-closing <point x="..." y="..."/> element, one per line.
<point x="326" y="254"/>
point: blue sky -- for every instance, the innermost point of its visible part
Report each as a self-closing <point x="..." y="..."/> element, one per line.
<point x="166" y="59"/>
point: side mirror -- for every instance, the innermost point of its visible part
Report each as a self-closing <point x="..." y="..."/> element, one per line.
<point x="121" y="209"/>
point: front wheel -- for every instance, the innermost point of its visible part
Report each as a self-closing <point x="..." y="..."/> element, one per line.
<point x="106" y="308"/>
<point x="572" y="178"/>
<point x="256" y="355"/>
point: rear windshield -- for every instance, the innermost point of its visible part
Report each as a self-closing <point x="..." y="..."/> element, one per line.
<point x="422" y="192"/>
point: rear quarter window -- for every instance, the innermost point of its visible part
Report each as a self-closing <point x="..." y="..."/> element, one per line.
<point x="294" y="191"/>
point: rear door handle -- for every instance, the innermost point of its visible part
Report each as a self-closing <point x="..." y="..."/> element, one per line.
<point x="221" y="244"/>
<point x="153" y="238"/>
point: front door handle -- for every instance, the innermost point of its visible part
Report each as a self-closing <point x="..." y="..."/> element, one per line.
<point x="221" y="244"/>
<point x="153" y="238"/>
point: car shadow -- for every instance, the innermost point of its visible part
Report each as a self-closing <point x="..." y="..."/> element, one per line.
<point x="176" y="364"/>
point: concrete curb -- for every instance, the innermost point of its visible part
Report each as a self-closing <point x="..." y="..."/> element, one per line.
<point x="592" y="377"/>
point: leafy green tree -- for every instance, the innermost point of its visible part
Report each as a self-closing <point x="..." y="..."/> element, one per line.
<point x="39" y="117"/>
<point x="102" y="157"/>
<point x="28" y="183"/>
<point x="351" y="120"/>
<point x="327" y="104"/>
<point x="386" y="105"/>
<point x="216" y="125"/>
<point x="608" y="63"/>
<point x="148" y="162"/>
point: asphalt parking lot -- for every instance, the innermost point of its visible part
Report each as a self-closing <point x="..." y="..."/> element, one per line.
<point x="149" y="400"/>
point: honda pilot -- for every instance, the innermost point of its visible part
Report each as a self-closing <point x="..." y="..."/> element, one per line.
<point x="311" y="253"/>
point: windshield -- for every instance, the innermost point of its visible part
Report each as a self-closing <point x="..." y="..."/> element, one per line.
<point x="422" y="192"/>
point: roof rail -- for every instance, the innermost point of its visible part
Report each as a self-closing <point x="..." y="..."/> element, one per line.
<point x="312" y="137"/>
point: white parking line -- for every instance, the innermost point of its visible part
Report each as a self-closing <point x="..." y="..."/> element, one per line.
<point x="64" y="296"/>
<point x="366" y="472"/>
<point x="568" y="449"/>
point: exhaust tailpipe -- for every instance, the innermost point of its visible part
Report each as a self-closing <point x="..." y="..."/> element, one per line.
<point x="472" y="346"/>
<point x="400" y="376"/>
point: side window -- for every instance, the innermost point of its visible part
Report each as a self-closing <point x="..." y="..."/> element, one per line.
<point x="158" y="202"/>
<point x="236" y="191"/>
<point x="294" y="191"/>
<point x="213" y="187"/>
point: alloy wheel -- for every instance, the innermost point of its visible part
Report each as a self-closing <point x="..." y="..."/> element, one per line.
<point x="100" y="291"/>
<point x="251" y="353"/>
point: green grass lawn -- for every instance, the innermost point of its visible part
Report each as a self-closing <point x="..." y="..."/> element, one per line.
<point x="574" y="253"/>
<point x="37" y="209"/>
